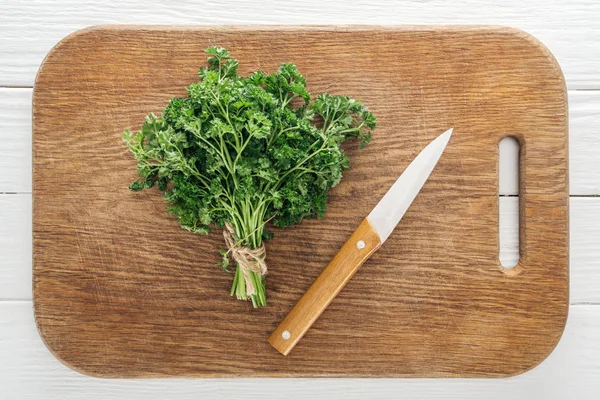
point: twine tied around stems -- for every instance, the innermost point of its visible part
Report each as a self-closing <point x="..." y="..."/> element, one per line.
<point x="248" y="259"/>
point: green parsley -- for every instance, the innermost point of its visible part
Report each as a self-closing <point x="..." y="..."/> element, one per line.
<point x="238" y="152"/>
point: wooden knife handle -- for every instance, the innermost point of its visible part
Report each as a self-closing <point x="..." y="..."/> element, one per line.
<point x="357" y="249"/>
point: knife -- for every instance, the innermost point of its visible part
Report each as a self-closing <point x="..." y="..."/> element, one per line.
<point x="366" y="239"/>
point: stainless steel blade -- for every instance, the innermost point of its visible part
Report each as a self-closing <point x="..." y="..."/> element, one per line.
<point x="391" y="208"/>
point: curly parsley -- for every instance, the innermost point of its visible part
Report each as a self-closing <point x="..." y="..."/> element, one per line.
<point x="245" y="151"/>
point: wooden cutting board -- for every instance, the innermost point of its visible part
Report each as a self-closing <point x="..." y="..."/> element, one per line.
<point x="120" y="290"/>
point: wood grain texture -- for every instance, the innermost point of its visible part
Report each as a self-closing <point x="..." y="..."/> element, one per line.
<point x="15" y="246"/>
<point x="508" y="219"/>
<point x="569" y="28"/>
<point x="584" y="143"/>
<point x="584" y="165"/>
<point x="326" y="287"/>
<point x="29" y="372"/>
<point x="584" y="264"/>
<point x="138" y="296"/>
<point x="584" y="223"/>
<point x="15" y="140"/>
<point x="508" y="166"/>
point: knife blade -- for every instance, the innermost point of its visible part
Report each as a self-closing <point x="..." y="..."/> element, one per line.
<point x="373" y="231"/>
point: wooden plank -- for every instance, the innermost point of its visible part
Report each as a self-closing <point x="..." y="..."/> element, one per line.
<point x="29" y="372"/>
<point x="15" y="140"/>
<point x="15" y="246"/>
<point x="508" y="166"/>
<point x="450" y="283"/>
<point x="509" y="231"/>
<point x="584" y="142"/>
<point x="570" y="30"/>
<point x="585" y="252"/>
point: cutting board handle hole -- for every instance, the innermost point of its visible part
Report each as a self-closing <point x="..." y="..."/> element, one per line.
<point x="508" y="203"/>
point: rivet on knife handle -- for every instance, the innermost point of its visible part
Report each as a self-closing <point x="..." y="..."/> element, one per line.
<point x="357" y="249"/>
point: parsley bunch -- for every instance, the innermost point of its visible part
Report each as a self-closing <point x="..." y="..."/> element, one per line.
<point x="242" y="151"/>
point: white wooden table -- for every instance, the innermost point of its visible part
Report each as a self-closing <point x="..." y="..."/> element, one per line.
<point x="571" y="29"/>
